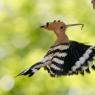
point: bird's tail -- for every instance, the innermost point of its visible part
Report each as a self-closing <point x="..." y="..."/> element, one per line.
<point x="32" y="70"/>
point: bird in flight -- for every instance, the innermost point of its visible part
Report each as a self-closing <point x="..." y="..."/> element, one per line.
<point x="64" y="57"/>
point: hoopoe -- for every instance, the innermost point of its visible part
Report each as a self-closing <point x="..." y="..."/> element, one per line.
<point x="65" y="57"/>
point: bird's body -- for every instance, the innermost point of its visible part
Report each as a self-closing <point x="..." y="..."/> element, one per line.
<point x="69" y="59"/>
<point x="65" y="58"/>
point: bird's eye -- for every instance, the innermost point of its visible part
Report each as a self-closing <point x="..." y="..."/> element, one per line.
<point x="61" y="27"/>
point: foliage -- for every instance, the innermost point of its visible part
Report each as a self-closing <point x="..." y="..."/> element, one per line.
<point x="22" y="43"/>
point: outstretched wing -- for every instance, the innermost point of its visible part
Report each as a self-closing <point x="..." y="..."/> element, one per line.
<point x="56" y="68"/>
<point x="32" y="70"/>
<point x="65" y="59"/>
<point x="75" y="59"/>
<point x="85" y="60"/>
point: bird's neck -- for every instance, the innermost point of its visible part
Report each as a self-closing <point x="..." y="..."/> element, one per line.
<point x="62" y="38"/>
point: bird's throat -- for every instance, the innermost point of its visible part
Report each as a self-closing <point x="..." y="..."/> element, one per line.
<point x="62" y="38"/>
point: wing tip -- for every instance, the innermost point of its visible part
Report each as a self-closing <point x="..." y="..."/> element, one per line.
<point x="25" y="72"/>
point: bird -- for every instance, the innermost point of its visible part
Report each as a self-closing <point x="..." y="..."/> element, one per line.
<point x="65" y="57"/>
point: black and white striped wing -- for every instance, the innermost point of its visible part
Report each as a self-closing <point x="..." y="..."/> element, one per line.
<point x="69" y="59"/>
<point x="65" y="59"/>
<point x="83" y="56"/>
<point x="31" y="70"/>
<point x="56" y="67"/>
<point x="34" y="68"/>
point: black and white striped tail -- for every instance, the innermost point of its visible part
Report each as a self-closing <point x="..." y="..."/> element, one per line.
<point x="32" y="70"/>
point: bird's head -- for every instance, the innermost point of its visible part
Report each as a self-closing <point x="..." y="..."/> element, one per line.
<point x="58" y="26"/>
<point x="55" y="25"/>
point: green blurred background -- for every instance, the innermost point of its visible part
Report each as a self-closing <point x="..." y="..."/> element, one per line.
<point x="22" y="43"/>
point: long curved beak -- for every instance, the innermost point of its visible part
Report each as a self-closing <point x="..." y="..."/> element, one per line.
<point x="69" y="25"/>
<point x="82" y="25"/>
